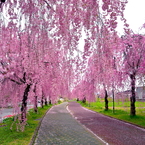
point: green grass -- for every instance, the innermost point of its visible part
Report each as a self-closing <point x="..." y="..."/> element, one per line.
<point x="14" y="137"/>
<point x="122" y="111"/>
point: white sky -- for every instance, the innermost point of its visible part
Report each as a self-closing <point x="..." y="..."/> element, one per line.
<point x="135" y="15"/>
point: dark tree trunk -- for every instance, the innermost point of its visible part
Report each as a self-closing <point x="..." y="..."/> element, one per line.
<point x="50" y="102"/>
<point x="35" y="104"/>
<point x="84" y="100"/>
<point x="113" y="100"/>
<point x="132" y="98"/>
<point x="42" y="101"/>
<point x="24" y="103"/>
<point x="45" y="101"/>
<point x="35" y="99"/>
<point x="106" y="100"/>
<point x="77" y="99"/>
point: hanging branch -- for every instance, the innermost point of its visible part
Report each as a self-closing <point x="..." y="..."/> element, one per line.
<point x="2" y="1"/>
<point x="49" y="7"/>
<point x="15" y="81"/>
<point x="24" y="77"/>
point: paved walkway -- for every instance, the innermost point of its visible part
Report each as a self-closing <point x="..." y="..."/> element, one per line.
<point x="113" y="131"/>
<point x="59" y="127"/>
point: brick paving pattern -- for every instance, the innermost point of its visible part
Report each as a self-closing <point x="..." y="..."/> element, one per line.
<point x="59" y="128"/>
<point x="111" y="130"/>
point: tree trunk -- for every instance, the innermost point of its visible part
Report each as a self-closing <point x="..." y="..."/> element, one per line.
<point x="42" y="101"/>
<point x="24" y="103"/>
<point x="84" y="100"/>
<point x="106" y="100"/>
<point x="35" y="104"/>
<point x="50" y="102"/>
<point x="45" y="101"/>
<point x="132" y="98"/>
<point x="113" y="100"/>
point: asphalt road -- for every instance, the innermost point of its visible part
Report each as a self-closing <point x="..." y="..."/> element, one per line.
<point x="4" y="112"/>
<point x="111" y="130"/>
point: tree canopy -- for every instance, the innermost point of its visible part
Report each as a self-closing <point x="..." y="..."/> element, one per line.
<point x="40" y="54"/>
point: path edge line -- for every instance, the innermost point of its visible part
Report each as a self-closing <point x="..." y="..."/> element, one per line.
<point x="86" y="127"/>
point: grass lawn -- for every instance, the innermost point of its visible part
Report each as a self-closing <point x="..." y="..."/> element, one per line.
<point x="122" y="111"/>
<point x="13" y="137"/>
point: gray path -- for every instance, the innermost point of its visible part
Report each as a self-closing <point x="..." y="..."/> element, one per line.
<point x="60" y="128"/>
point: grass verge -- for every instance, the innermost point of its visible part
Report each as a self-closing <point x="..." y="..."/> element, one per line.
<point x="12" y="136"/>
<point x="121" y="112"/>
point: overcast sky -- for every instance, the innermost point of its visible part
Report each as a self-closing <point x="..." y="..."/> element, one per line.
<point x="135" y="15"/>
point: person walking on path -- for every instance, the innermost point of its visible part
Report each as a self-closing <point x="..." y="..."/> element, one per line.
<point x="111" y="130"/>
<point x="59" y="127"/>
